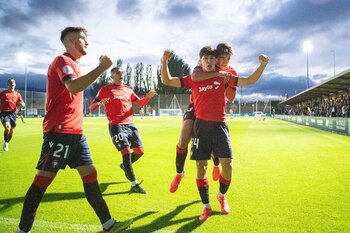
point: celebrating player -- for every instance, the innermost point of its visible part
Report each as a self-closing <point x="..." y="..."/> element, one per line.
<point x="211" y="133"/>
<point x="188" y="117"/>
<point x="117" y="100"/>
<point x="64" y="142"/>
<point x="10" y="99"/>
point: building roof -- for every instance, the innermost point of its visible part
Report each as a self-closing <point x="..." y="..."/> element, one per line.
<point x="334" y="85"/>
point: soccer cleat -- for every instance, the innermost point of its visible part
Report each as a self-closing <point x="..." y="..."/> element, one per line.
<point x="225" y="208"/>
<point x="205" y="214"/>
<point x="137" y="189"/>
<point x="175" y="183"/>
<point x="6" y="146"/>
<point x="125" y="173"/>
<point x="216" y="173"/>
<point x="119" y="226"/>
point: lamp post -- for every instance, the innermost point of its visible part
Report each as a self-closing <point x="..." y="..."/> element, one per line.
<point x="24" y="58"/>
<point x="307" y="47"/>
<point x="333" y="51"/>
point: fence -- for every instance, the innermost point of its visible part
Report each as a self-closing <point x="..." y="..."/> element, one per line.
<point x="338" y="125"/>
<point x="36" y="101"/>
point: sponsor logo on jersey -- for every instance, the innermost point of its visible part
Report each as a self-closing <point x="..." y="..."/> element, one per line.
<point x="67" y="69"/>
<point x="215" y="85"/>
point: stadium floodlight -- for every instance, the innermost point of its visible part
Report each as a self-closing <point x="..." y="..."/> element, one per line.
<point x="307" y="47"/>
<point x="25" y="58"/>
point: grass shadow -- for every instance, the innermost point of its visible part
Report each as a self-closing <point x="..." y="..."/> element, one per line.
<point x="52" y="197"/>
<point x="167" y="220"/>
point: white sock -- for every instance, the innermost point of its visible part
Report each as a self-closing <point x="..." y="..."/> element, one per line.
<point x="108" y="224"/>
<point x="220" y="194"/>
<point x="134" y="183"/>
<point x="20" y="231"/>
<point x="207" y="206"/>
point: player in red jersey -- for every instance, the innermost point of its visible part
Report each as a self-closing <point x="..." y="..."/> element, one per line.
<point x="9" y="101"/>
<point x="64" y="142"/>
<point x="117" y="100"/>
<point x="188" y="118"/>
<point x="210" y="130"/>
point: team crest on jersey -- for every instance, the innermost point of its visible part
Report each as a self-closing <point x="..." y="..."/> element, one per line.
<point x="67" y="69"/>
<point x="55" y="163"/>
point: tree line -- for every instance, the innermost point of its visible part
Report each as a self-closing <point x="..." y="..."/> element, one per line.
<point x="141" y="79"/>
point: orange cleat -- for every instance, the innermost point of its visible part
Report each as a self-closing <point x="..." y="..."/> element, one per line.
<point x="216" y="173"/>
<point x="205" y="215"/>
<point x="175" y="183"/>
<point x="225" y="208"/>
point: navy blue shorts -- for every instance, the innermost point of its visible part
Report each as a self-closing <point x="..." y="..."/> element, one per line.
<point x="189" y="113"/>
<point x="9" y="117"/>
<point x="60" y="149"/>
<point x="125" y="136"/>
<point x="210" y="137"/>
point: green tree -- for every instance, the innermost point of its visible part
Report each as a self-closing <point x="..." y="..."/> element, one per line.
<point x="177" y="68"/>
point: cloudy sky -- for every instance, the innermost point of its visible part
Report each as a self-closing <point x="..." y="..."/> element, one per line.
<point x="140" y="30"/>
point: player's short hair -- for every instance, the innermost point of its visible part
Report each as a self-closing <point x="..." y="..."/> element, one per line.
<point x="10" y="79"/>
<point x="69" y="30"/>
<point x="116" y="69"/>
<point x="206" y="50"/>
<point x="223" y="48"/>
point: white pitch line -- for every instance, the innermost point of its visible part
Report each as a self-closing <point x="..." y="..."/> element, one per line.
<point x="53" y="225"/>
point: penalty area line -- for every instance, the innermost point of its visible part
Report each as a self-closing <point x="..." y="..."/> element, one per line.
<point x="53" y="225"/>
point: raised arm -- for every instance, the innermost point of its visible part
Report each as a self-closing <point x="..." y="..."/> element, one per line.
<point x="142" y="102"/>
<point x="166" y="78"/>
<point x="253" y="78"/>
<point x="199" y="75"/>
<point x="80" y="84"/>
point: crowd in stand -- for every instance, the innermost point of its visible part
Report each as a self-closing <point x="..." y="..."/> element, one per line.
<point x="331" y="106"/>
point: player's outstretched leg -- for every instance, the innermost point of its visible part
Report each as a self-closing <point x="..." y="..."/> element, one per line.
<point x="181" y="154"/>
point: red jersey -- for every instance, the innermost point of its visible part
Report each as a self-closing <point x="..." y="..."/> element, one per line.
<point x="209" y="98"/>
<point x="64" y="110"/>
<point x="230" y="92"/>
<point x="186" y="82"/>
<point x="119" y="106"/>
<point x="9" y="100"/>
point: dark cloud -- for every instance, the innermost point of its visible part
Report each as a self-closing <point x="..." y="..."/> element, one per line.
<point x="309" y="14"/>
<point x="181" y="10"/>
<point x="277" y="84"/>
<point x="128" y="8"/>
<point x="38" y="11"/>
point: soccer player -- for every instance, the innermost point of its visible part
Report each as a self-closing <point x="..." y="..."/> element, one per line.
<point x="10" y="99"/>
<point x="188" y="117"/>
<point x="117" y="100"/>
<point x="211" y="133"/>
<point x="64" y="142"/>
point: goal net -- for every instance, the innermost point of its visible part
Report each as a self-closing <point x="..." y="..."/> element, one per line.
<point x="173" y="109"/>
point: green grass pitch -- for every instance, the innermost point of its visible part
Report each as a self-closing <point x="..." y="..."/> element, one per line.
<point x="286" y="178"/>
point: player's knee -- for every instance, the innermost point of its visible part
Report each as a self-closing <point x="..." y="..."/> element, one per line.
<point x="126" y="151"/>
<point x="90" y="178"/>
<point x="139" y="151"/>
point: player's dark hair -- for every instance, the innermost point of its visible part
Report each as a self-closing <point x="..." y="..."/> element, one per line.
<point x="69" y="30"/>
<point x="224" y="48"/>
<point x="10" y="80"/>
<point x="206" y="50"/>
<point x="116" y="68"/>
